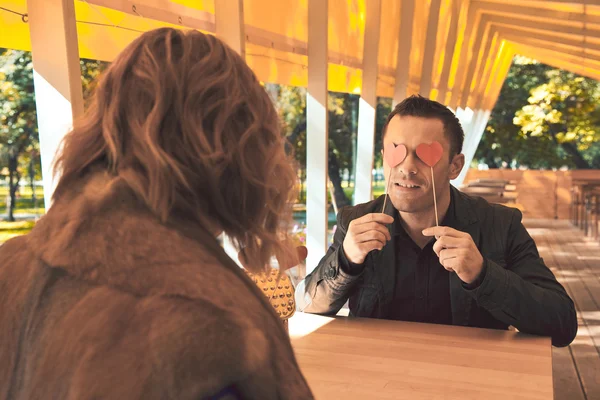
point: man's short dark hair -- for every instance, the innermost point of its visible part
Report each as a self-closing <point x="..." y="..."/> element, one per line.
<point x="419" y="106"/>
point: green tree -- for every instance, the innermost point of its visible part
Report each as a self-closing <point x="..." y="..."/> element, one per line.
<point x="343" y="128"/>
<point x="384" y="108"/>
<point x="342" y="113"/>
<point x="18" y="122"/>
<point x="290" y="102"/>
<point x="544" y="118"/>
<point x="90" y="71"/>
<point x="503" y="144"/>
<point x="566" y="112"/>
<point x="19" y="138"/>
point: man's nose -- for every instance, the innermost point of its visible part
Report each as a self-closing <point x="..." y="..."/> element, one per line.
<point x="409" y="165"/>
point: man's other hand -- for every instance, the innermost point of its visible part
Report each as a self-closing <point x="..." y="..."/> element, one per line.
<point x="366" y="234"/>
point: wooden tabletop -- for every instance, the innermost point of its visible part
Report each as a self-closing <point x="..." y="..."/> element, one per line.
<point x="348" y="358"/>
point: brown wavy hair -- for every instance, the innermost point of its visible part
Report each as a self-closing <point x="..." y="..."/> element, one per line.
<point x="182" y="119"/>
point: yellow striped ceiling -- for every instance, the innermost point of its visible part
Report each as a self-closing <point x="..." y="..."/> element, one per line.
<point x="468" y="66"/>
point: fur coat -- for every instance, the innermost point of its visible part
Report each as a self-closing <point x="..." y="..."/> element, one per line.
<point x="102" y="301"/>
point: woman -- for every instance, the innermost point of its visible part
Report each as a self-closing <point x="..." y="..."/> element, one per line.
<point x="122" y="291"/>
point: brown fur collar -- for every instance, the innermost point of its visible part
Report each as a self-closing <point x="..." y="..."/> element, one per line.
<point x="101" y="233"/>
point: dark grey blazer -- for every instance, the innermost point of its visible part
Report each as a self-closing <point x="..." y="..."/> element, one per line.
<point x="518" y="289"/>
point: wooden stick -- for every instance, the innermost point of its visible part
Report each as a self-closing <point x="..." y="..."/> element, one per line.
<point x="387" y="187"/>
<point x="437" y="222"/>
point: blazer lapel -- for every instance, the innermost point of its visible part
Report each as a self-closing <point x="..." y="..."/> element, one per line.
<point x="384" y="264"/>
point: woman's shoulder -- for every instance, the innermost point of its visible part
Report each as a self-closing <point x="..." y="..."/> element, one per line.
<point x="203" y="330"/>
<point x="205" y="346"/>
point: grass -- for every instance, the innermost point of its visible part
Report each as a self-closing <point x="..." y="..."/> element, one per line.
<point x="9" y="230"/>
<point x="39" y="211"/>
<point x="24" y="204"/>
<point x="25" y="191"/>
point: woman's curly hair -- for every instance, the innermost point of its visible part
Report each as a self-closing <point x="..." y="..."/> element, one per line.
<point x="182" y="119"/>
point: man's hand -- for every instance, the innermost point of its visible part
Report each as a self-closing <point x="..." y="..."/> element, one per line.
<point x="366" y="234"/>
<point x="457" y="252"/>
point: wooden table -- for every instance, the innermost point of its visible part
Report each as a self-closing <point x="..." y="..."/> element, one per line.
<point x="346" y="358"/>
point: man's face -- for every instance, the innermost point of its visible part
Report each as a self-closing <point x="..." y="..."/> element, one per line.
<point x="410" y="184"/>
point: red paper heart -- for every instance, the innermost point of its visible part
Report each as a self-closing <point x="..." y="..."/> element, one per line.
<point x="394" y="154"/>
<point x="430" y="154"/>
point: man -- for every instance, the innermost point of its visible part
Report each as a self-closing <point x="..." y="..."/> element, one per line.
<point x="479" y="268"/>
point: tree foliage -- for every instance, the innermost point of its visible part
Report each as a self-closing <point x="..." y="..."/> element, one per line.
<point x="565" y="111"/>
<point x="19" y="138"/>
<point x="18" y="122"/>
<point x="544" y="118"/>
<point x="384" y="108"/>
<point x="342" y="109"/>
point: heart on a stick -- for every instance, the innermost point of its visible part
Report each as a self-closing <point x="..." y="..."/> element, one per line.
<point x="430" y="154"/>
<point x="394" y="154"/>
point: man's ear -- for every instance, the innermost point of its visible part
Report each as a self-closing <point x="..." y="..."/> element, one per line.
<point x="457" y="164"/>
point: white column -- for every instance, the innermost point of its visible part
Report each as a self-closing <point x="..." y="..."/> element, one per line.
<point x="465" y="117"/>
<point x="407" y="11"/>
<point x="368" y="106"/>
<point x="475" y="132"/>
<point x="229" y="26"/>
<point x="472" y="127"/>
<point x="472" y="142"/>
<point x="316" y="132"/>
<point x="430" y="41"/>
<point x="56" y="77"/>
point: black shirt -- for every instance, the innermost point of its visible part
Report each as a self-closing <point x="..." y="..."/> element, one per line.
<point x="422" y="292"/>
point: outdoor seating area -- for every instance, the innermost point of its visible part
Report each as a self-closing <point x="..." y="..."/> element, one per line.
<point x="397" y="290"/>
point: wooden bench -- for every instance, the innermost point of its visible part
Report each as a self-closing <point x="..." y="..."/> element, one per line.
<point x="492" y="182"/>
<point x="494" y="191"/>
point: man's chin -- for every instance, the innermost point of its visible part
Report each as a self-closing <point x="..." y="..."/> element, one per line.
<point x="412" y="206"/>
